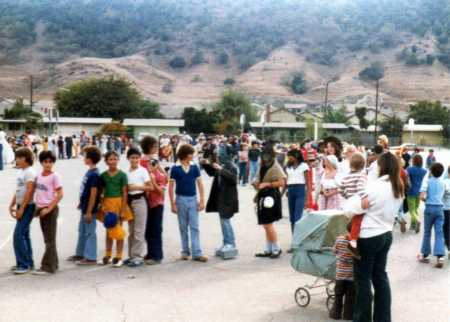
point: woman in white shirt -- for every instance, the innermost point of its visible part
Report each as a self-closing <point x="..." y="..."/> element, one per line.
<point x="297" y="183"/>
<point x="384" y="197"/>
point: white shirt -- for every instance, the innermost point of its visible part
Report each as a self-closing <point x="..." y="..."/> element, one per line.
<point x="137" y="177"/>
<point x="372" y="171"/>
<point x="380" y="216"/>
<point x="297" y="175"/>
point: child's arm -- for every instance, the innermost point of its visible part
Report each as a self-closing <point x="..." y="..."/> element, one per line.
<point x="172" y="196"/>
<point x="12" y="207"/>
<point x="59" y="195"/>
<point x="201" y="190"/>
<point x="124" y="201"/>
<point x="26" y="199"/>
<point x="156" y="187"/>
<point x="91" y="204"/>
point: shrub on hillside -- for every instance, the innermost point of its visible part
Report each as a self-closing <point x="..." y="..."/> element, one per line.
<point x="177" y="62"/>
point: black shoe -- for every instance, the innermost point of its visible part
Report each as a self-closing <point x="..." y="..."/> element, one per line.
<point x="74" y="258"/>
<point x="264" y="254"/>
<point x="276" y="255"/>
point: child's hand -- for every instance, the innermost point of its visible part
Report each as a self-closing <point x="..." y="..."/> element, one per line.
<point x="44" y="212"/>
<point x="174" y="208"/>
<point x="88" y="217"/>
<point x="13" y="212"/>
<point x="19" y="214"/>
<point x="201" y="205"/>
<point x="122" y="214"/>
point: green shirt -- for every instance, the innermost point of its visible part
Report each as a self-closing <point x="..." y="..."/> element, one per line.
<point x="113" y="185"/>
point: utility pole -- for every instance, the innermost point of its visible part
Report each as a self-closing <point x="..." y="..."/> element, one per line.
<point x="376" y="110"/>
<point x="31" y="92"/>
<point x="326" y="97"/>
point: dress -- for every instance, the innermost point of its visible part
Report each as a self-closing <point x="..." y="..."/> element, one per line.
<point x="8" y="153"/>
<point x="332" y="202"/>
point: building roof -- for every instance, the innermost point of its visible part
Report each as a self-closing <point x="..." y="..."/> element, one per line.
<point x="280" y="125"/>
<point x="154" y="122"/>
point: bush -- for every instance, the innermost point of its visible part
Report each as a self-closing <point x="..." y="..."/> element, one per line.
<point x="177" y="62"/>
<point x="229" y="82"/>
<point x="298" y="83"/>
<point x="198" y="58"/>
<point x="223" y="59"/>
<point x="374" y="72"/>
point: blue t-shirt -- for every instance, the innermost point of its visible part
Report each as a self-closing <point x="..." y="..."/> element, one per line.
<point x="435" y="190"/>
<point x="416" y="175"/>
<point x="185" y="181"/>
<point x="91" y="180"/>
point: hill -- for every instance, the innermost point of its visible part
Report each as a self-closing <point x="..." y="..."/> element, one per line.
<point x="182" y="52"/>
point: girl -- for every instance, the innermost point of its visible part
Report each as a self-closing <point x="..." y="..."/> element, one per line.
<point x="243" y="161"/>
<point x="416" y="174"/>
<point x="115" y="198"/>
<point x="268" y="182"/>
<point x="329" y="194"/>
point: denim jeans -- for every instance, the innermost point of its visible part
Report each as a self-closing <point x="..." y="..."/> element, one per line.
<point x="153" y="233"/>
<point x="447" y="228"/>
<point x="254" y="167"/>
<point x="243" y="178"/>
<point x="1" y="157"/>
<point x="296" y="201"/>
<point x="433" y="217"/>
<point x="22" y="241"/>
<point x="87" y="239"/>
<point x="188" y="220"/>
<point x="371" y="270"/>
<point x="227" y="232"/>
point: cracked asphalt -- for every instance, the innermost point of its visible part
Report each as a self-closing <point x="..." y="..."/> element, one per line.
<point x="245" y="289"/>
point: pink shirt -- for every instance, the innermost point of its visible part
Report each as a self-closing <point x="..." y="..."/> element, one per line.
<point x="46" y="187"/>
<point x="156" y="199"/>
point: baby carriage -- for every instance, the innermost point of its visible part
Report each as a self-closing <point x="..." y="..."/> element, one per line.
<point x="312" y="244"/>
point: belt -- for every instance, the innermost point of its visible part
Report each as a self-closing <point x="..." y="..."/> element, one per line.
<point x="296" y="185"/>
<point x="136" y="196"/>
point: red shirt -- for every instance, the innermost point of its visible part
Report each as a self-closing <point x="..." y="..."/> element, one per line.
<point x="154" y="197"/>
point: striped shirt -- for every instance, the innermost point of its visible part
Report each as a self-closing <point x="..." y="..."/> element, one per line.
<point x="353" y="184"/>
<point x="344" y="259"/>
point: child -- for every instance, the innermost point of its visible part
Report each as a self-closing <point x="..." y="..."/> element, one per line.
<point x="48" y="193"/>
<point x="243" y="161"/>
<point x="86" y="251"/>
<point x="344" y="289"/>
<point x="447" y="212"/>
<point x="432" y="192"/>
<point x="22" y="209"/>
<point x="329" y="194"/>
<point x="153" y="232"/>
<point x="354" y="184"/>
<point x="184" y="177"/>
<point x="115" y="197"/>
<point x="138" y="184"/>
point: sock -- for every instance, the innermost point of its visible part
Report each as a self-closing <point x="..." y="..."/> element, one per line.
<point x="275" y="248"/>
<point x="119" y="255"/>
<point x="268" y="247"/>
<point x="108" y="253"/>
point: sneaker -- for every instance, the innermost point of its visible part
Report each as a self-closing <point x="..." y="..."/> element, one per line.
<point x="423" y="259"/>
<point x="15" y="267"/>
<point x="264" y="254"/>
<point x="106" y="260"/>
<point x="228" y="248"/>
<point x="152" y="262"/>
<point x="127" y="261"/>
<point x="201" y="259"/>
<point x="403" y="226"/>
<point x="276" y="255"/>
<point x="117" y="262"/>
<point x="440" y="262"/>
<point x="218" y="250"/>
<point x="184" y="257"/>
<point x="74" y="258"/>
<point x="87" y="262"/>
<point x="41" y="272"/>
<point x="21" y="271"/>
<point x="412" y="227"/>
<point x="417" y="230"/>
<point x="135" y="262"/>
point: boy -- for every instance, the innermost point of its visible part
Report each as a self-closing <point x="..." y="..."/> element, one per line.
<point x="430" y="158"/>
<point x="48" y="194"/>
<point x="115" y="200"/>
<point x="138" y="184"/>
<point x="344" y="289"/>
<point x="183" y="180"/>
<point x="354" y="184"/>
<point x="86" y="251"/>
<point x="153" y="232"/>
<point x="22" y="209"/>
<point x="253" y="155"/>
<point x="432" y="192"/>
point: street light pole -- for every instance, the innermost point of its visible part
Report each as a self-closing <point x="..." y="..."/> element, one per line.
<point x="376" y="109"/>
<point x="326" y="97"/>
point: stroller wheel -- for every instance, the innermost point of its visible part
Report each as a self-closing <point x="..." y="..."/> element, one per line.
<point x="330" y="288"/>
<point x="330" y="303"/>
<point x="302" y="297"/>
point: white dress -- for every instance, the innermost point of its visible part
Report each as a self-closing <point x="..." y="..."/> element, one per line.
<point x="8" y="153"/>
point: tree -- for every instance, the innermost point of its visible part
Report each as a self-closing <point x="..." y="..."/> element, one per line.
<point x="335" y="115"/>
<point x="229" y="110"/>
<point x="113" y="128"/>
<point x="392" y="127"/>
<point x="17" y="111"/>
<point x="149" y="110"/>
<point x="105" y="97"/>
<point x="198" y="58"/>
<point x="361" y="113"/>
<point x="223" y="58"/>
<point x="426" y="112"/>
<point x="229" y="82"/>
<point x="298" y="83"/>
<point x="177" y="62"/>
<point x="197" y="121"/>
<point x="374" y="72"/>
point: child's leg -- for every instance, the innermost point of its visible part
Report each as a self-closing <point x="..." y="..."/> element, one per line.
<point x="81" y="244"/>
<point x="131" y="224"/>
<point x="119" y="248"/>
<point x="89" y="251"/>
<point x="48" y="225"/>
<point x="336" y="311"/>
<point x="349" y="301"/>
<point x="154" y="234"/>
<point x="194" y="228"/>
<point x="426" y="242"/>
<point x="447" y="228"/>
<point x="20" y="243"/>
<point x="109" y="245"/>
<point x="140" y="217"/>
<point x="439" y="246"/>
<point x="412" y="209"/>
<point x="183" y="225"/>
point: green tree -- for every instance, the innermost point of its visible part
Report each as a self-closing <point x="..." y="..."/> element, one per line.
<point x="149" y="110"/>
<point x="197" y="121"/>
<point x="335" y="115"/>
<point x="298" y="83"/>
<point x="17" y="111"/>
<point x="229" y="110"/>
<point x="426" y="112"/>
<point x="361" y="113"/>
<point x="392" y="127"/>
<point x="372" y="73"/>
<point x="105" y="97"/>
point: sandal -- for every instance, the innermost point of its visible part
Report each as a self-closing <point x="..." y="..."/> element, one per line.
<point x="423" y="259"/>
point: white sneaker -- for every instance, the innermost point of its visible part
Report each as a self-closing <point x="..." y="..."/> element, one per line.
<point x="219" y="249"/>
<point x="21" y="271"/>
<point x="117" y="262"/>
<point x="228" y="248"/>
<point x="40" y="272"/>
